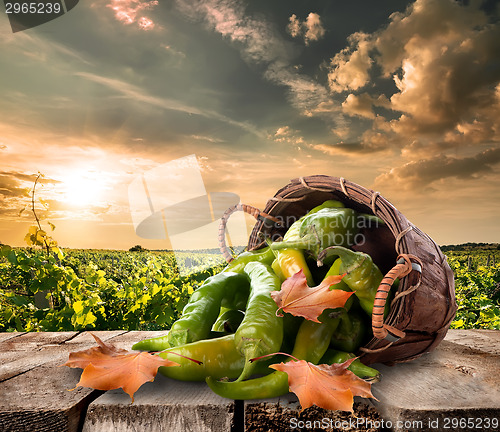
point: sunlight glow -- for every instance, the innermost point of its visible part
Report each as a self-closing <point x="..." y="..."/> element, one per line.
<point x="82" y="189"/>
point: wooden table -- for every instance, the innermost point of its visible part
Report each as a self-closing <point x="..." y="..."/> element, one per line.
<point x="454" y="388"/>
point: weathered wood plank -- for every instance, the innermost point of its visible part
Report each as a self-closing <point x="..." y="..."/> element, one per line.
<point x="9" y="335"/>
<point x="478" y="339"/>
<point x="164" y="405"/>
<point x="30" y="350"/>
<point x="459" y="380"/>
<point x="34" y="389"/>
<point x="29" y="342"/>
<point x="440" y="388"/>
<point x="39" y="400"/>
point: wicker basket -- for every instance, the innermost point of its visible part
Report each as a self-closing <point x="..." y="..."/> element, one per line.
<point x="424" y="304"/>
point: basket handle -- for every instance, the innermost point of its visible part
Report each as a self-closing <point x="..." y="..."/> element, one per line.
<point x="403" y="267"/>
<point x="254" y="211"/>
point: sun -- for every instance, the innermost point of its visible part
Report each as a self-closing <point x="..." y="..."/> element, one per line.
<point x="81" y="189"/>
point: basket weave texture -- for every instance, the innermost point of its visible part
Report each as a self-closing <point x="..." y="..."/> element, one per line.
<point x="424" y="304"/>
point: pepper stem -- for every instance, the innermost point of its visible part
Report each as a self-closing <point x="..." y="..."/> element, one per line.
<point x="307" y="242"/>
<point x="250" y="353"/>
<point x="350" y="260"/>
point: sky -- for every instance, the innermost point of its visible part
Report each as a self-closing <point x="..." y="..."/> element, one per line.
<point x="402" y="97"/>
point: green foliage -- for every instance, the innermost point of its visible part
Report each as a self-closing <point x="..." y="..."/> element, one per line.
<point x="36" y="235"/>
<point x="477" y="288"/>
<point x="43" y="289"/>
<point x="89" y="289"/>
<point x="143" y="290"/>
<point x="137" y="248"/>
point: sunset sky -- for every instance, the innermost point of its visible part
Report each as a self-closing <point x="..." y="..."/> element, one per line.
<point x="400" y="97"/>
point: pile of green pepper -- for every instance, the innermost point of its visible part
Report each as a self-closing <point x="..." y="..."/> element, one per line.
<point x="231" y="318"/>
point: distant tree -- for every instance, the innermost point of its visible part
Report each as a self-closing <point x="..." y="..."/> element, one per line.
<point x="137" y="248"/>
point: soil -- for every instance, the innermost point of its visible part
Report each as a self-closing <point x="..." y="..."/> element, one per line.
<point x="278" y="417"/>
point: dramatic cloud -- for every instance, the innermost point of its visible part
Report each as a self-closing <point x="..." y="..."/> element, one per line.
<point x="350" y="67"/>
<point x="294" y="27"/>
<point x="311" y="29"/>
<point x="287" y="135"/>
<point x="260" y="43"/>
<point x="419" y="175"/>
<point x="361" y="105"/>
<point x="10" y="186"/>
<point x="132" y="11"/>
<point x="443" y="59"/>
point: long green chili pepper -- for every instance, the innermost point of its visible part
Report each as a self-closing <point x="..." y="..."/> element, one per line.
<point x="219" y="358"/>
<point x="291" y="325"/>
<point x="324" y="228"/>
<point x="320" y="332"/>
<point x="334" y="270"/>
<point x="160" y="343"/>
<point x="323" y="331"/>
<point x="273" y="385"/>
<point x="310" y="345"/>
<point x="290" y="259"/>
<point x="362" y="275"/>
<point x="350" y="333"/>
<point x="202" y="309"/>
<point x="261" y="331"/>
<point x="356" y="367"/>
<point x="264" y="255"/>
<point x="229" y="320"/>
<point x="277" y="270"/>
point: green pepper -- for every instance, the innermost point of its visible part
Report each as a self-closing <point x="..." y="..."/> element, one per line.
<point x="219" y="359"/>
<point x="160" y="343"/>
<point x="277" y="270"/>
<point x="291" y="325"/>
<point x="273" y="385"/>
<point x="350" y="333"/>
<point x="324" y="228"/>
<point x="321" y="333"/>
<point x="202" y="309"/>
<point x="155" y="344"/>
<point x="229" y="320"/>
<point x="261" y="331"/>
<point x="362" y="275"/>
<point x="334" y="270"/>
<point x="356" y="367"/>
<point x="310" y="345"/>
<point x="291" y="261"/>
<point x="264" y="255"/>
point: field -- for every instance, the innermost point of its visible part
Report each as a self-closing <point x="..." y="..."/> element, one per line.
<point x="477" y="286"/>
<point x="145" y="290"/>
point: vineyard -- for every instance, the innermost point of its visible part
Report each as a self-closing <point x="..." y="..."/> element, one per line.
<point x="145" y="290"/>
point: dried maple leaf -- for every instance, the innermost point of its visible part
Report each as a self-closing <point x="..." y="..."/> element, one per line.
<point x="298" y="299"/>
<point x="331" y="387"/>
<point x="106" y="367"/>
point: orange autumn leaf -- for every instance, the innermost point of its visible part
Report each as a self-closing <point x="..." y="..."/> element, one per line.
<point x="298" y="299"/>
<point x="106" y="367"/>
<point x="331" y="387"/>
